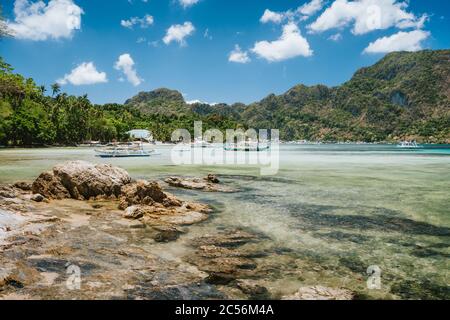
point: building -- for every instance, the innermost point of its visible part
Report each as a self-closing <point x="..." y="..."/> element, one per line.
<point x="141" y="134"/>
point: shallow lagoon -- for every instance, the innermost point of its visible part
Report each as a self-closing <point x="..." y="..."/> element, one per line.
<point x="332" y="211"/>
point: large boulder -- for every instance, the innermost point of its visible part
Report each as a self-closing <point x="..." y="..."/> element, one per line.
<point x="141" y="192"/>
<point x="81" y="180"/>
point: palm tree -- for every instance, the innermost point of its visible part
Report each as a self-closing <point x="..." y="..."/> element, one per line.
<point x="42" y="89"/>
<point x="56" y="88"/>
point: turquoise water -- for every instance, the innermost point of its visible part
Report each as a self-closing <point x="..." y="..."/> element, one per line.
<point x="331" y="211"/>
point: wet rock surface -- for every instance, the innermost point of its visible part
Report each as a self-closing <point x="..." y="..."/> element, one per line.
<point x="321" y="293"/>
<point x="210" y="183"/>
<point x="44" y="242"/>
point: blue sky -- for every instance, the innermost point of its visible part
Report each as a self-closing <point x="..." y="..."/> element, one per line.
<point x="119" y="49"/>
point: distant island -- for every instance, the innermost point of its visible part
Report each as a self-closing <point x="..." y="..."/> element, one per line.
<point x="405" y="96"/>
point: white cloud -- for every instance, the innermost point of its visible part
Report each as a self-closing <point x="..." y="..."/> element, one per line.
<point x="38" y="21"/>
<point x="126" y="64"/>
<point x="401" y="41"/>
<point x="188" y="3"/>
<point x="310" y="8"/>
<point x="178" y="32"/>
<point x="201" y="102"/>
<point x="270" y="16"/>
<point x="366" y="16"/>
<point x="303" y="12"/>
<point x="291" y="44"/>
<point x="238" y="56"/>
<point x="84" y="74"/>
<point x="143" y="22"/>
<point x="335" y="37"/>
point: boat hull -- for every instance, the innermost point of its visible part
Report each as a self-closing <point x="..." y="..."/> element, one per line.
<point x="123" y="155"/>
<point x="249" y="149"/>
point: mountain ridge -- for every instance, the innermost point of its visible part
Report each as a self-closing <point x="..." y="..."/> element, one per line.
<point x="404" y="95"/>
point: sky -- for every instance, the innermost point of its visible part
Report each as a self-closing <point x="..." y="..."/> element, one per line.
<point x="212" y="51"/>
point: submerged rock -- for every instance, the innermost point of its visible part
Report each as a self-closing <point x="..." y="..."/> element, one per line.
<point x="210" y="184"/>
<point x="221" y="257"/>
<point x="81" y="180"/>
<point x="321" y="293"/>
<point x="253" y="289"/>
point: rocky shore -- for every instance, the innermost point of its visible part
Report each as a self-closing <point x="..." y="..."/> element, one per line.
<point x="98" y="220"/>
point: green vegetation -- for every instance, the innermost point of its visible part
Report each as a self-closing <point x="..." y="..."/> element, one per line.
<point x="404" y="96"/>
<point x="29" y="117"/>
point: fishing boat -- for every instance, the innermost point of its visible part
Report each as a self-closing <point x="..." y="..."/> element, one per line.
<point x="247" y="147"/>
<point x="408" y="145"/>
<point x="200" y="143"/>
<point x="123" y="151"/>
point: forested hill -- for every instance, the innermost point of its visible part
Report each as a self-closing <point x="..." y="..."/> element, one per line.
<point x="403" y="96"/>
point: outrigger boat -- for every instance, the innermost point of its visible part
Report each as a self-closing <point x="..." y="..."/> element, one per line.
<point x="408" y="145"/>
<point x="247" y="147"/>
<point x="123" y="151"/>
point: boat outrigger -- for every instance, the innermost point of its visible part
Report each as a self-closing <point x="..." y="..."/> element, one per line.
<point x="123" y="151"/>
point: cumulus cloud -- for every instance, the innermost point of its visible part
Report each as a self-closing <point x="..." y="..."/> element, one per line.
<point x="188" y="3"/>
<point x="366" y="16"/>
<point x="143" y="22"/>
<point x="84" y="74"/>
<point x="310" y="8"/>
<point x="38" y="21"/>
<point x="291" y="44"/>
<point x="238" y="56"/>
<point x="303" y="12"/>
<point x="270" y="16"/>
<point x="126" y="64"/>
<point x="178" y="32"/>
<point x="401" y="41"/>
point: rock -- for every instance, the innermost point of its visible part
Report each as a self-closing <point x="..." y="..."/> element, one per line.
<point x="320" y="293"/>
<point x="141" y="192"/>
<point x="37" y="197"/>
<point x="220" y="278"/>
<point x="158" y="214"/>
<point x="14" y="204"/>
<point x="81" y="180"/>
<point x="8" y="192"/>
<point x="167" y="233"/>
<point x="211" y="178"/>
<point x="162" y="211"/>
<point x="253" y="289"/>
<point x="50" y="186"/>
<point x="133" y="212"/>
<point x="22" y="185"/>
<point x="194" y="184"/>
<point x="221" y="257"/>
<point x="209" y="184"/>
<point x="231" y="239"/>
